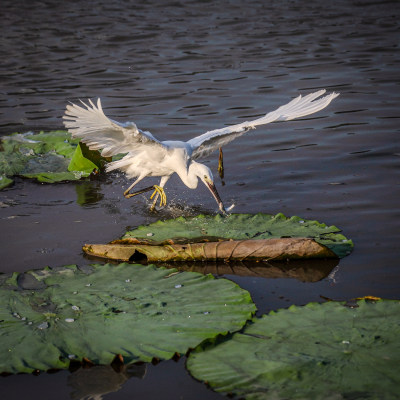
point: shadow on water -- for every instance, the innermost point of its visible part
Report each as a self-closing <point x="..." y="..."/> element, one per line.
<point x="97" y="382"/>
<point x="94" y="381"/>
<point x="302" y="270"/>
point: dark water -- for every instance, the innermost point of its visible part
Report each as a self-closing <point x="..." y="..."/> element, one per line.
<point x="180" y="69"/>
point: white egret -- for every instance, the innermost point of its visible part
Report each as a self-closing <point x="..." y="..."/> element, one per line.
<point x="147" y="156"/>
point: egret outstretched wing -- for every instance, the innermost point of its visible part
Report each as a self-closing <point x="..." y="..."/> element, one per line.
<point x="299" y="107"/>
<point x="102" y="133"/>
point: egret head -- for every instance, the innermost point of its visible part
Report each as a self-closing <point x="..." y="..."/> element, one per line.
<point x="204" y="173"/>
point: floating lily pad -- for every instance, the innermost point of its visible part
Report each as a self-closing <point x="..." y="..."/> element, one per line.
<point x="5" y="182"/>
<point x="239" y="227"/>
<point x="48" y="157"/>
<point x="51" y="316"/>
<point x="86" y="160"/>
<point x="319" y="351"/>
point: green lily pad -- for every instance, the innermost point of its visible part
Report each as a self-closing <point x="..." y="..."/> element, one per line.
<point x="48" y="157"/>
<point x="240" y="227"/>
<point x="5" y="182"/>
<point x="53" y="315"/>
<point x="86" y="160"/>
<point x="319" y="351"/>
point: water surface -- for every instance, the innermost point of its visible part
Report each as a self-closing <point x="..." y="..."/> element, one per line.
<point x="179" y="69"/>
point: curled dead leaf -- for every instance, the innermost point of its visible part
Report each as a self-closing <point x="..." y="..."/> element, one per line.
<point x="265" y="249"/>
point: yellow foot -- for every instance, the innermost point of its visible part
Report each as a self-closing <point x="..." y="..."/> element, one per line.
<point x="158" y="190"/>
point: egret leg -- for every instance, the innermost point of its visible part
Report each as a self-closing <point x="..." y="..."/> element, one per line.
<point x="159" y="191"/>
<point x="221" y="164"/>
<point x="127" y="194"/>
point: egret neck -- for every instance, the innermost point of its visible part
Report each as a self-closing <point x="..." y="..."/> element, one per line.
<point x="196" y="171"/>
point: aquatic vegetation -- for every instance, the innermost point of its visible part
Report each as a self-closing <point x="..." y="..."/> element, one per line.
<point x="228" y="250"/>
<point x="318" y="351"/>
<point x="52" y="316"/>
<point x="47" y="157"/>
<point x="203" y="228"/>
<point x="5" y="182"/>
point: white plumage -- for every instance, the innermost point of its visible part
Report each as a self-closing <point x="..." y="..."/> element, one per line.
<point x="147" y="156"/>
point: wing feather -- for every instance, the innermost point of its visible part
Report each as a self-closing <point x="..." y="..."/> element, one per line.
<point x="93" y="127"/>
<point x="299" y="107"/>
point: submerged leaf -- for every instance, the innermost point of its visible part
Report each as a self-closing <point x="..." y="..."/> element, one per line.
<point x="238" y="227"/>
<point x="11" y="163"/>
<point x="52" y="177"/>
<point x="99" y="311"/>
<point x="318" y="351"/>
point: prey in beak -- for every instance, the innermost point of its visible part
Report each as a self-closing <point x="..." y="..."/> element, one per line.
<point x="210" y="184"/>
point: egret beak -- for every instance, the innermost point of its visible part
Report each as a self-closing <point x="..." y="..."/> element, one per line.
<point x="215" y="194"/>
